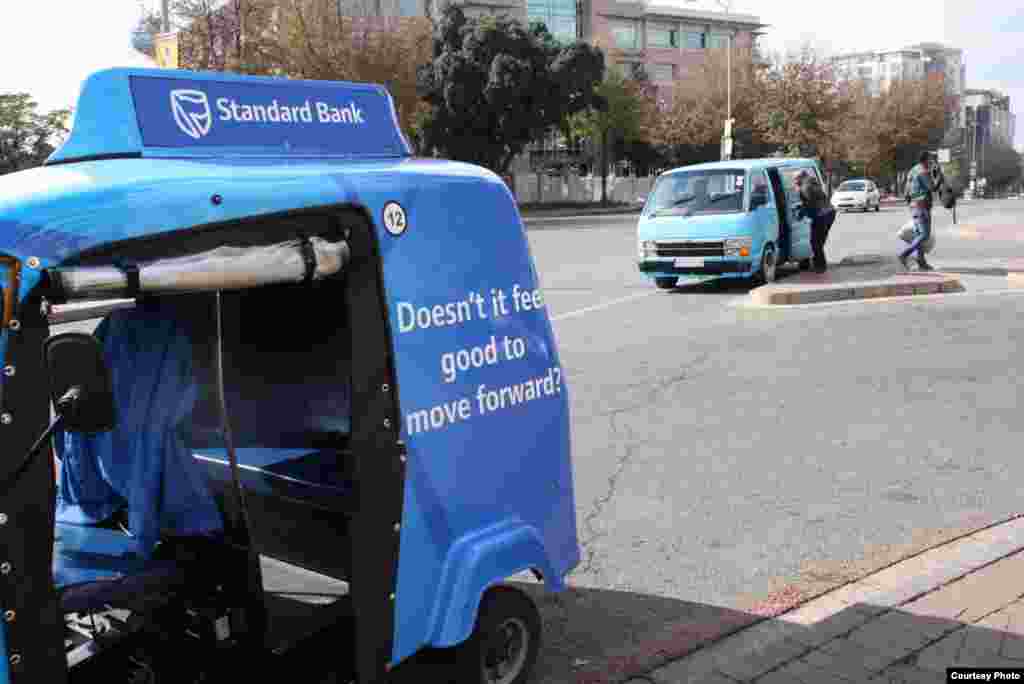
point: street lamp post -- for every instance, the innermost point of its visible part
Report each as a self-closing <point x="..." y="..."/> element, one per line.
<point x="726" y="6"/>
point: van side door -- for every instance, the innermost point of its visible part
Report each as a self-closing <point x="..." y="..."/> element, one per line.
<point x="800" y="227"/>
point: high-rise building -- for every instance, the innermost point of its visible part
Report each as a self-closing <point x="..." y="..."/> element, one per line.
<point x="989" y="117"/>
<point x="881" y="68"/>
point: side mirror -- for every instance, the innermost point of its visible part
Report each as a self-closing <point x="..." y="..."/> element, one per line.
<point x="758" y="199"/>
<point x="80" y="386"/>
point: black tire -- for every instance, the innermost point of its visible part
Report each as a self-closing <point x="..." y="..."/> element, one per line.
<point x="767" y="269"/>
<point x="878" y="207"/>
<point x="805" y="264"/>
<point x="507" y="635"/>
<point x="666" y="283"/>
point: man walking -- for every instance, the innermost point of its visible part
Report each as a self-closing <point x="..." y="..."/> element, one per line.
<point x="814" y="204"/>
<point x="920" y="187"/>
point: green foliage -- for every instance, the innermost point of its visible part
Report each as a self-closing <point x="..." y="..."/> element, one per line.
<point x="495" y="85"/>
<point x="27" y="138"/>
<point x="622" y="116"/>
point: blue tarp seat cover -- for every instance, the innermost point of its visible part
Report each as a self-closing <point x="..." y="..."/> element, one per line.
<point x="145" y="462"/>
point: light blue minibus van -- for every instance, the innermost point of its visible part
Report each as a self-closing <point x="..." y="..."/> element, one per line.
<point x="729" y="219"/>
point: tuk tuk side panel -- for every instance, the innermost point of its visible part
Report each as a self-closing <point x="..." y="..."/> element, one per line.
<point x="32" y="631"/>
<point x="484" y="407"/>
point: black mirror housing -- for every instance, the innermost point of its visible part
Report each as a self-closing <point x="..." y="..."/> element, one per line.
<point x="80" y="385"/>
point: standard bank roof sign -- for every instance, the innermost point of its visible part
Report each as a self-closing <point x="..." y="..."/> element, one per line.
<point x="163" y="113"/>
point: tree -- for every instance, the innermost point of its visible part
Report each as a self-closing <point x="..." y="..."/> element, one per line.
<point x="883" y="134"/>
<point x="802" y="107"/>
<point x="237" y="35"/>
<point x="26" y="137"/>
<point x="310" y="39"/>
<point x="690" y="125"/>
<point x="1001" y="168"/>
<point x="621" y="119"/>
<point x="319" y="43"/>
<point x="494" y="86"/>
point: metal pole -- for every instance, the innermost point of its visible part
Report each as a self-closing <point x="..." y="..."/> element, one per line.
<point x="165" y="16"/>
<point x="726" y="5"/>
<point x="728" y="76"/>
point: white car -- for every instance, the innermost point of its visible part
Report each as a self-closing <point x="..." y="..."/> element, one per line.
<point x="857" y="194"/>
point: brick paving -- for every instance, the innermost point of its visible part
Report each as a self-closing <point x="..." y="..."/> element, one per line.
<point x="960" y="604"/>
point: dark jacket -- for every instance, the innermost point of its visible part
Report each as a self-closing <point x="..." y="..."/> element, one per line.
<point x="811" y="194"/>
<point x="812" y="198"/>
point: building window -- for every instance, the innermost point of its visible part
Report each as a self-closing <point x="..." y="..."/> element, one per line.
<point x="662" y="73"/>
<point x="625" y="35"/>
<point x="662" y="37"/>
<point x="558" y="15"/>
<point x="865" y="72"/>
<point x="718" y="40"/>
<point x="693" y="39"/>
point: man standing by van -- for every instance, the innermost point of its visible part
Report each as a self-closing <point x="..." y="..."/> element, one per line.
<point x="814" y="204"/>
<point x="920" y="187"/>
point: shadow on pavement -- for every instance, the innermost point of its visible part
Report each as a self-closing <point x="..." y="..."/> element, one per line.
<point x="728" y="286"/>
<point x="862" y="643"/>
<point x="596" y="630"/>
<point x="608" y="637"/>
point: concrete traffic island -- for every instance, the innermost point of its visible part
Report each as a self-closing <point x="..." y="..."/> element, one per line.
<point x="859" y="277"/>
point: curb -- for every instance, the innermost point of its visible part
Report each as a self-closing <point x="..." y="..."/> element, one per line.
<point x="746" y="305"/>
<point x="872" y="289"/>
<point x="682" y="641"/>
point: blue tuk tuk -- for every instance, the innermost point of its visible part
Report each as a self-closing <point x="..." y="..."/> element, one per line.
<point x="322" y="420"/>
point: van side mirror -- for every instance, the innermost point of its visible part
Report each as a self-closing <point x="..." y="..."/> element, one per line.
<point x="758" y="199"/>
<point x="80" y="386"/>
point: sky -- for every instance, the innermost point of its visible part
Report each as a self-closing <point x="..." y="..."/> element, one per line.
<point x="76" y="38"/>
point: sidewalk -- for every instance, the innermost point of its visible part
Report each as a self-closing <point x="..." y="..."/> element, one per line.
<point x="866" y="277"/>
<point x="958" y="604"/>
<point x="595" y="209"/>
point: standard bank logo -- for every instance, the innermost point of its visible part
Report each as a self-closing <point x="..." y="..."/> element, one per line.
<point x="191" y="111"/>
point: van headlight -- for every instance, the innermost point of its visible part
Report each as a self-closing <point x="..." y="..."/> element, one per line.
<point x="648" y="249"/>
<point x="738" y="246"/>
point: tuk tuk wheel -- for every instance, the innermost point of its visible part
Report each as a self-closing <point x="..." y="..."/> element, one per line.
<point x="666" y="283"/>
<point x="505" y="642"/>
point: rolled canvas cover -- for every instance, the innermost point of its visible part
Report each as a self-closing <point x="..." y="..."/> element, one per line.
<point x="224" y="268"/>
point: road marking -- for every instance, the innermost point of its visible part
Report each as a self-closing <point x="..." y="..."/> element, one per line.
<point x="602" y="305"/>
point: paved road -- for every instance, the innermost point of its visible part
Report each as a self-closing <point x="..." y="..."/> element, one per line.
<point x="720" y="452"/>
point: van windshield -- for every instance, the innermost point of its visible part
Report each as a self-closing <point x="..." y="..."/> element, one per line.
<point x="693" y="193"/>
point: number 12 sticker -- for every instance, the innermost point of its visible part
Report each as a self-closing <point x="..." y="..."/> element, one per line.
<point x="394" y="218"/>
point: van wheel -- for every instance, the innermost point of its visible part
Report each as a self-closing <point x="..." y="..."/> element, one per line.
<point x="666" y="283"/>
<point x="505" y="642"/>
<point x="766" y="274"/>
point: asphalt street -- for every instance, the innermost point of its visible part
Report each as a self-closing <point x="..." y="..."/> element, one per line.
<point x="721" y="454"/>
